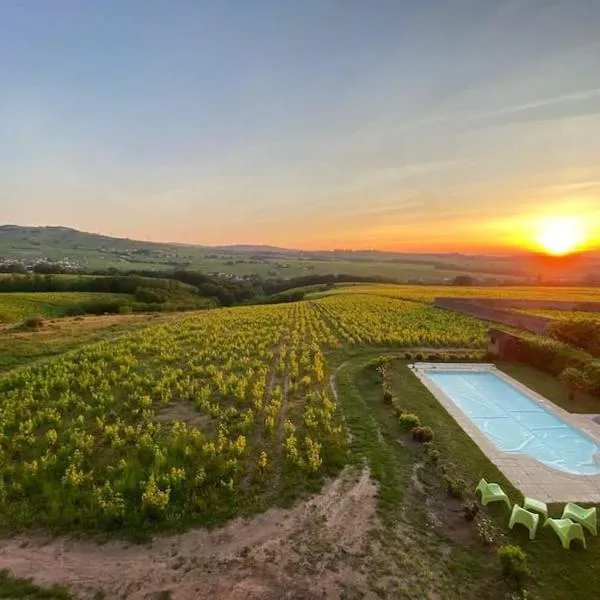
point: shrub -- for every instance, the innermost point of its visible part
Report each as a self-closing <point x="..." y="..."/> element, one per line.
<point x="422" y="434"/>
<point x="432" y="454"/>
<point x="408" y="356"/>
<point x="513" y="560"/>
<point x="433" y="357"/>
<point x="34" y="322"/>
<point x="584" y="334"/>
<point x="470" y="510"/>
<point x="409" y="421"/>
<point x="455" y="486"/>
<point x="125" y="309"/>
<point x="387" y="397"/>
<point x="398" y="410"/>
<point x="418" y="357"/>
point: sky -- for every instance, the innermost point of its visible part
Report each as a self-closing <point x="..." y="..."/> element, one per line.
<point x="317" y="124"/>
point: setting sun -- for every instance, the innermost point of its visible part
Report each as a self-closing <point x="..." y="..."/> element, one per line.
<point x="560" y="235"/>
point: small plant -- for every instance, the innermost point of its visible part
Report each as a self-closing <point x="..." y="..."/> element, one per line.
<point x="422" y="434"/>
<point x="486" y="531"/>
<point x="513" y="560"/>
<point x="409" y="421"/>
<point x="455" y="486"/>
<point x="470" y="510"/>
<point x="432" y="454"/>
<point x="398" y="410"/>
<point x="387" y="397"/>
<point x="34" y="322"/>
<point x="418" y="357"/>
<point x="408" y="356"/>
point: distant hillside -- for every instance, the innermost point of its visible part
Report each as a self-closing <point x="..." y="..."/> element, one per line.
<point x="90" y="251"/>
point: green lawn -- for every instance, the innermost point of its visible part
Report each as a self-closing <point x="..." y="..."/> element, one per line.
<point x="551" y="388"/>
<point x="457" y="567"/>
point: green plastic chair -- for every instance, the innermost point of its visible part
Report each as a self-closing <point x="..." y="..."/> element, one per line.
<point x="567" y="531"/>
<point x="536" y="506"/>
<point x="586" y="517"/>
<point x="491" y="492"/>
<point x="524" y="517"/>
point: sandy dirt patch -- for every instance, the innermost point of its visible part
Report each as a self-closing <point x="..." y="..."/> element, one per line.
<point x="313" y="550"/>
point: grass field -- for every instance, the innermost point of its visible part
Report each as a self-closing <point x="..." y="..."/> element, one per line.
<point x="132" y="430"/>
<point x="18" y="306"/>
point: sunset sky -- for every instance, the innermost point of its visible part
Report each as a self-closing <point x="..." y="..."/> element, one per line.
<point x="391" y="124"/>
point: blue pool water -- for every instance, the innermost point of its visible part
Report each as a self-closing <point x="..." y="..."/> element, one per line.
<point x="516" y="423"/>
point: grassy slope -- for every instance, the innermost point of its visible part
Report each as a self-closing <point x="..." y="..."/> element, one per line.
<point x="557" y="574"/>
<point x="16" y="306"/>
<point x="428" y="560"/>
<point x="19" y="348"/>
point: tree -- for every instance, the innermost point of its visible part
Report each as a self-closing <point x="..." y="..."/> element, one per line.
<point x="574" y="381"/>
<point x="463" y="280"/>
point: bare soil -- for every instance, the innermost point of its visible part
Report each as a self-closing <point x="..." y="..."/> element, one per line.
<point x="313" y="550"/>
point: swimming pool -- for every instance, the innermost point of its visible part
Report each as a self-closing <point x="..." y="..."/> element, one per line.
<point x="516" y="423"/>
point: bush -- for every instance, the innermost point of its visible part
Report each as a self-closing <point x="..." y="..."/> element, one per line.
<point x="387" y="397"/>
<point x="470" y="510"/>
<point x="455" y="486"/>
<point x="584" y="334"/>
<point x="34" y="322"/>
<point x="432" y="454"/>
<point x="513" y="560"/>
<point x="408" y="356"/>
<point x="398" y="410"/>
<point x="409" y="421"/>
<point x="125" y="309"/>
<point x="418" y="357"/>
<point x="422" y="434"/>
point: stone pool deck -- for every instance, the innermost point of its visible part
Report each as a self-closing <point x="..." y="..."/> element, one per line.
<point x="528" y="475"/>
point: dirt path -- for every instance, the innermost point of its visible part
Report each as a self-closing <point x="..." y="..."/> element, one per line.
<point x="306" y="552"/>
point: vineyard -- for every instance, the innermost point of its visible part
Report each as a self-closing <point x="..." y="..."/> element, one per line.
<point x="18" y="306"/>
<point x="365" y="320"/>
<point x="195" y="421"/>
<point x="563" y="314"/>
<point x="427" y="293"/>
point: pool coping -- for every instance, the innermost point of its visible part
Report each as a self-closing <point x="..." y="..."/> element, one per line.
<point x="531" y="477"/>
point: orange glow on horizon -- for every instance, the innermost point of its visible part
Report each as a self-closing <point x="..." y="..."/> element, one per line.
<point x="561" y="235"/>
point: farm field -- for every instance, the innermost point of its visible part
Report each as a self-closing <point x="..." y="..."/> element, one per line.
<point x="20" y="346"/>
<point x="16" y="306"/>
<point x="427" y="293"/>
<point x="200" y="418"/>
<point x="563" y="314"/>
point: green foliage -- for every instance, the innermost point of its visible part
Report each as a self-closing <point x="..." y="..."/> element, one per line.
<point x="409" y="421"/>
<point x="513" y="561"/>
<point x="432" y="454"/>
<point x="387" y="396"/>
<point x="34" y="322"/>
<point x="455" y="486"/>
<point x="94" y="452"/>
<point x="581" y="333"/>
<point x="16" y="588"/>
<point x="422" y="434"/>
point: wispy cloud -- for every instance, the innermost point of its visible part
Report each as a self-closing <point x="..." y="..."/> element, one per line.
<point x="541" y="103"/>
